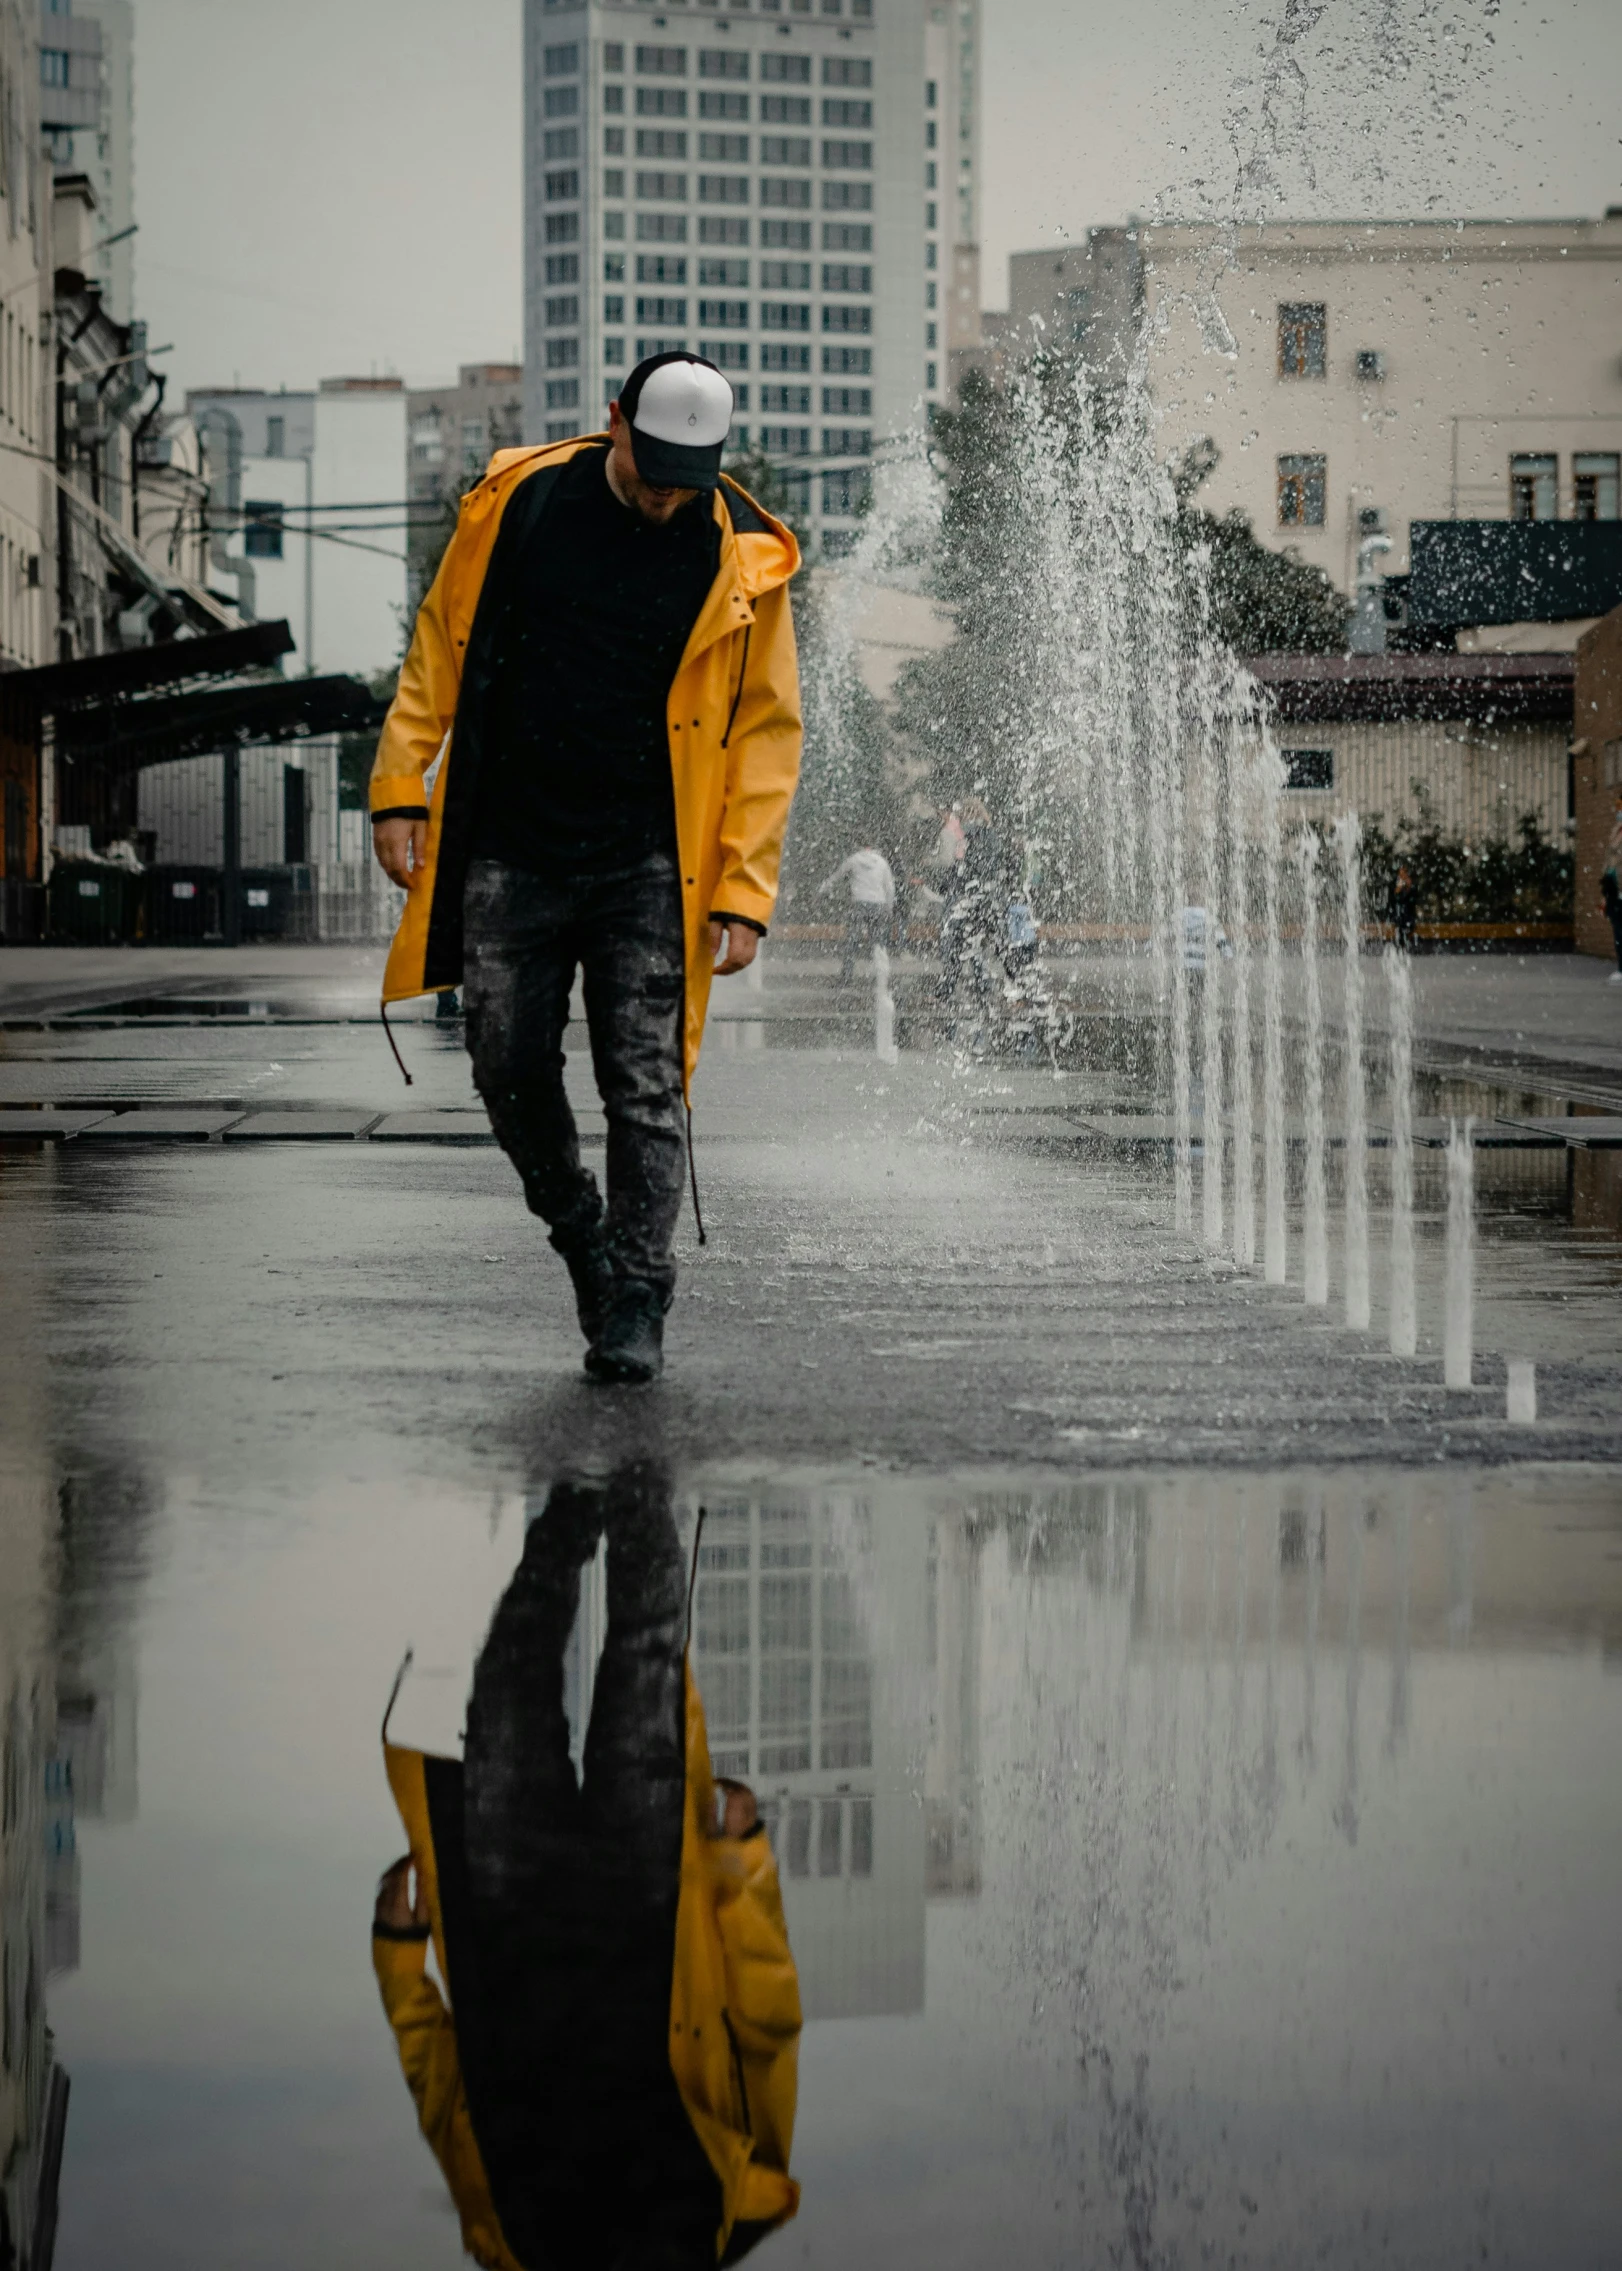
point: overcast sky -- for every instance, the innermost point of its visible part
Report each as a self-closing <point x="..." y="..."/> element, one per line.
<point x="330" y="186"/>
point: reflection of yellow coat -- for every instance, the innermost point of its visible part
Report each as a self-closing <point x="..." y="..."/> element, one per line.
<point x="733" y="716"/>
<point x="734" y="2017"/>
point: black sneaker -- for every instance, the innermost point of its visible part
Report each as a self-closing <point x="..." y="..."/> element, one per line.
<point x="630" y="1348"/>
<point x="586" y="1256"/>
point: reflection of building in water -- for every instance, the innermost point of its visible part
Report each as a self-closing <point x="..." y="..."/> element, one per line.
<point x="787" y="1591"/>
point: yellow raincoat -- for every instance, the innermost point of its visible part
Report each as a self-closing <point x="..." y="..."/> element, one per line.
<point x="734" y="2017"/>
<point x="733" y="716"/>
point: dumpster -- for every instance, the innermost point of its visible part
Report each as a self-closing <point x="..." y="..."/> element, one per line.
<point x="93" y="905"/>
<point x="267" y="902"/>
<point x="182" y="905"/>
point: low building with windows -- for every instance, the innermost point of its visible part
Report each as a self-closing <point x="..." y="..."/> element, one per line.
<point x="452" y="432"/>
<point x="1356" y="376"/>
<point x="790" y="190"/>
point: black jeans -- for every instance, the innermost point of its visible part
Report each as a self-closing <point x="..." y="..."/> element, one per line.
<point x="525" y="936"/>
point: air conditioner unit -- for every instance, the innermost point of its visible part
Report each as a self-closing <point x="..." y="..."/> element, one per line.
<point x="1371" y="363"/>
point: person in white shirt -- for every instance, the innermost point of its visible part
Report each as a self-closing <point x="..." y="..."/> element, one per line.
<point x="871" y="882"/>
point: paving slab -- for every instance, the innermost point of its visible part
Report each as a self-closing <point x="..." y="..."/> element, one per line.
<point x="45" y="1126"/>
<point x="301" y="1127"/>
<point x="1590" y="1132"/>
<point x="163" y="1126"/>
<point x="433" y="1127"/>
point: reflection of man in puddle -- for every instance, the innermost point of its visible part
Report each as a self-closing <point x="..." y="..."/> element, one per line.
<point x="614" y="2083"/>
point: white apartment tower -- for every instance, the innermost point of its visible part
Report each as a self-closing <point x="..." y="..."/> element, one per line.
<point x="787" y="186"/>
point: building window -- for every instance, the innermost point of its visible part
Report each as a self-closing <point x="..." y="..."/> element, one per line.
<point x="847" y="319"/>
<point x="740" y="401"/>
<point x="847" y="361"/>
<point x="561" y="102"/>
<point x="847" y="491"/>
<point x="662" y="62"/>
<point x="931" y="338"/>
<point x="930" y="380"/>
<point x="661" y="102"/>
<point x="613" y="181"/>
<point x="661" y="142"/>
<point x="931" y="94"/>
<point x="786" y="441"/>
<point x="785" y="149"/>
<point x="661" y="228"/>
<point x="847" y="197"/>
<point x="848" y="157"/>
<point x="722" y="102"/>
<point x="931" y="134"/>
<point x="845" y="276"/>
<point x="613" y="224"/>
<point x="613" y="142"/>
<point x="788" y="192"/>
<point x="728" y="275"/>
<point x="661" y="268"/>
<point x="613" y="352"/>
<point x="837" y="112"/>
<point x="276" y="444"/>
<point x="1303" y="334"/>
<point x="561" y="62"/>
<point x="613" y="56"/>
<point x="262" y="529"/>
<point x="782" y="355"/>
<point x="784" y="315"/>
<point x="661" y="310"/>
<point x="847" y="71"/>
<point x="1534" y="485"/>
<point x="562" y="394"/>
<point x="792" y="236"/>
<point x="723" y="189"/>
<point x="930" y="251"/>
<point x="724" y="149"/>
<point x="724" y="315"/>
<point x="1308" y="768"/>
<point x="785" y="110"/>
<point x="672" y="187"/>
<point x="785" y="275"/>
<point x="560" y="429"/>
<point x="847" y="236"/>
<point x="846" y="402"/>
<point x="614" y="100"/>
<point x="787" y="70"/>
<point x="563" y="308"/>
<point x="562" y="188"/>
<point x="723" y="63"/>
<point x="729" y="355"/>
<point x="722" y="228"/>
<point x="846" y="441"/>
<point x="1594" y="485"/>
<point x="562" y="354"/>
<point x="53" y="67"/>
<point x="563" y="268"/>
<point x="614" y="307"/>
<point x="1302" y="486"/>
<point x="790" y="398"/>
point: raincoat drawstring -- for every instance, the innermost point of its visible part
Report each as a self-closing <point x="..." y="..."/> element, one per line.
<point x="383" y="1012"/>
<point x="692" y="1176"/>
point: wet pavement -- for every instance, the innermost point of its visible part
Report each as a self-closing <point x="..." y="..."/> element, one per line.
<point x="1187" y="1734"/>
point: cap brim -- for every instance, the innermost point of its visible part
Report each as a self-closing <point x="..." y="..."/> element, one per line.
<point x="676" y="465"/>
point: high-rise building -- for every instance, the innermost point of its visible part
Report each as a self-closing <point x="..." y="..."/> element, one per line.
<point x="791" y="191"/>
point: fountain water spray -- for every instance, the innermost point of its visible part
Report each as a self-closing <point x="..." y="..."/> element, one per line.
<point x="1348" y="844"/>
<point x="1243" y="1075"/>
<point x="884" y="1043"/>
<point x="1458" y="1337"/>
<point x="1275" y="1229"/>
<point x="1400" y="996"/>
<point x="1315" y="1208"/>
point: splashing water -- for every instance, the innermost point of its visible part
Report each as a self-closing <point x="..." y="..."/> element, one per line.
<point x="1348" y="848"/>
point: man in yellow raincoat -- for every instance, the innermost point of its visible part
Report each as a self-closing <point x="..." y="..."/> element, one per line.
<point x="602" y="689"/>
<point x="613" y="2083"/>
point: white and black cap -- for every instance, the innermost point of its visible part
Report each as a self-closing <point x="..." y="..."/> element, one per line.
<point x="679" y="408"/>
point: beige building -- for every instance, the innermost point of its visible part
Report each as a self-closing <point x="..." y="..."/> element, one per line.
<point x="1356" y="376"/>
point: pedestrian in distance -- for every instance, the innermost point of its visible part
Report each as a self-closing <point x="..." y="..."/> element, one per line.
<point x="588" y="767"/>
<point x="611" y="2075"/>
<point x="1402" y="909"/>
<point x="870" y="879"/>
<point x="1610" y="887"/>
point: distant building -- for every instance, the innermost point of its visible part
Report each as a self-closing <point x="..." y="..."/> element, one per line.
<point x="308" y="514"/>
<point x="794" y="195"/>
<point x="1358" y="376"/>
<point x="1596" y="773"/>
<point x="452" y="432"/>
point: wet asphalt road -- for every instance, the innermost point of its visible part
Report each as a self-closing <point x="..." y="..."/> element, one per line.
<point x="1242" y="1707"/>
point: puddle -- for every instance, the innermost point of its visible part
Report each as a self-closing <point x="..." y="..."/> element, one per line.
<point x="1175" y="1869"/>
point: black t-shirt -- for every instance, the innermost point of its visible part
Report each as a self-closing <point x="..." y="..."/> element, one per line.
<point x="576" y="757"/>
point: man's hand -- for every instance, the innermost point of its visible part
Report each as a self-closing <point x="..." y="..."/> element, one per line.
<point x="742" y="943"/>
<point x="738" y="1810"/>
<point x="402" y="850"/>
<point x="397" y="1910"/>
